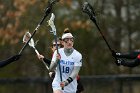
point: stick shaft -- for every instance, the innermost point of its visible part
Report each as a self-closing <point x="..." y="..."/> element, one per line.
<point x="34" y="32"/>
<point x="103" y="37"/>
<point x="55" y="37"/>
<point x="45" y="65"/>
<point x="87" y="8"/>
<point x="51" y="24"/>
<point x="36" y="51"/>
<point x="47" y="12"/>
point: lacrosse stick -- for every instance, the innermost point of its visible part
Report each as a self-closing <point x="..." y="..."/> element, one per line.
<point x="31" y="43"/>
<point x="47" y="12"/>
<point x="51" y="24"/>
<point x="88" y="9"/>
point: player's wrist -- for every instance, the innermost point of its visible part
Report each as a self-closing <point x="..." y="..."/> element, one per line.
<point x="69" y="80"/>
<point x="58" y="57"/>
<point x="66" y="82"/>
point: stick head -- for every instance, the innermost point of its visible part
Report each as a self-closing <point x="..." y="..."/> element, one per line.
<point x="51" y="24"/>
<point x="51" y="2"/>
<point x="88" y="9"/>
<point x="50" y="5"/>
<point x="26" y="37"/>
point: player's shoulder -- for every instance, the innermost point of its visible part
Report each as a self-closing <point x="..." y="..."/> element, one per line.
<point x="77" y="53"/>
<point x="61" y="49"/>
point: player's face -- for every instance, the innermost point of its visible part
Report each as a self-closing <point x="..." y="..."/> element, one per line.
<point x="54" y="46"/>
<point x="68" y="42"/>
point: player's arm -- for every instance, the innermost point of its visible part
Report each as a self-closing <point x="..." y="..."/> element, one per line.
<point x="9" y="60"/>
<point x="72" y="76"/>
<point x="54" y="62"/>
<point x="53" y="66"/>
<point x="80" y="87"/>
<point x="47" y="61"/>
<point x="128" y="55"/>
<point x="132" y="63"/>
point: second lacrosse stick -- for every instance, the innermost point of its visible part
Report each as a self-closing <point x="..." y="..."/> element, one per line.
<point x="32" y="44"/>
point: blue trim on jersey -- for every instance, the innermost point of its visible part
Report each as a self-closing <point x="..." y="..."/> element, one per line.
<point x="66" y="62"/>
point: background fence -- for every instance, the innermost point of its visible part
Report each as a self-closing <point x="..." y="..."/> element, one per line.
<point x="92" y="84"/>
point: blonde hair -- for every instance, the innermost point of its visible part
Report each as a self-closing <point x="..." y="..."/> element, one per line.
<point x="66" y="30"/>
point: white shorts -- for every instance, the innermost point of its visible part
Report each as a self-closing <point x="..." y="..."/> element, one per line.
<point x="56" y="86"/>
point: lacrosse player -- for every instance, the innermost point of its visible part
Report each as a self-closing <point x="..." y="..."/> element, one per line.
<point x="70" y="62"/>
<point x="47" y="61"/>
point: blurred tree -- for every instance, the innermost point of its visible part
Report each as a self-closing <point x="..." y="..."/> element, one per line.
<point x="117" y="19"/>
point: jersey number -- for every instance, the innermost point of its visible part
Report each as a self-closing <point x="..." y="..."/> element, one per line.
<point x="65" y="69"/>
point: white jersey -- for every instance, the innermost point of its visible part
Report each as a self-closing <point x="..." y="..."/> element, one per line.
<point x="67" y="64"/>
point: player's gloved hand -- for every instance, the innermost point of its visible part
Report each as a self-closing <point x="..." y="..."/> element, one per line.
<point x="58" y="57"/>
<point x="15" y="57"/>
<point x="115" y="54"/>
<point x="119" y="61"/>
<point x="52" y="75"/>
<point x="40" y="56"/>
<point x="64" y="83"/>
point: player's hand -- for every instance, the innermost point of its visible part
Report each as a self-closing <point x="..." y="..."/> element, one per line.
<point x="58" y="57"/>
<point x="120" y="62"/>
<point x="40" y="56"/>
<point x="113" y="53"/>
<point x="15" y="57"/>
<point x="64" y="83"/>
<point x="52" y="75"/>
